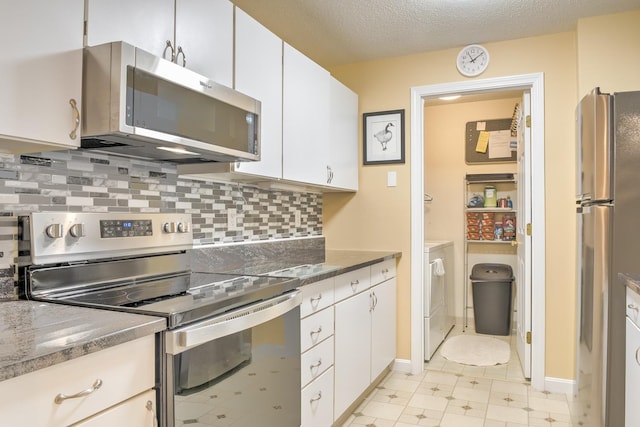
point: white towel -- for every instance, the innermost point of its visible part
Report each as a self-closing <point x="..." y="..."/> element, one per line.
<point x="439" y="265"/>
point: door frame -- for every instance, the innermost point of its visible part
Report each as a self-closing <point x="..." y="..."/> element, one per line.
<point x="535" y="83"/>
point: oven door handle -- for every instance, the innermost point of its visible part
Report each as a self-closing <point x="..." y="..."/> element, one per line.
<point x="182" y="339"/>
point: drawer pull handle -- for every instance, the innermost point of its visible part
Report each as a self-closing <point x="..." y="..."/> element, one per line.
<point x="316" y="332"/>
<point x="354" y="284"/>
<point x="316" y="365"/>
<point x="637" y="359"/>
<point x="632" y="307"/>
<point x="385" y="270"/>
<point x="62" y="397"/>
<point x="316" y="397"/>
<point x="76" y="119"/>
<point x="315" y="299"/>
<point x="149" y="407"/>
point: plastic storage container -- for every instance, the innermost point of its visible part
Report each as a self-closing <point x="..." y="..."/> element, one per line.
<point x="491" y="287"/>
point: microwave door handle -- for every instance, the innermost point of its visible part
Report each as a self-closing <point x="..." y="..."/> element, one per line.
<point x="235" y="321"/>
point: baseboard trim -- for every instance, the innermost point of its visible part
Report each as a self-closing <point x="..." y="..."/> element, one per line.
<point x="559" y="385"/>
<point x="402" y="365"/>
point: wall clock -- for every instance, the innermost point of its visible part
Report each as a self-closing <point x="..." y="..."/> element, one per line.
<point x="472" y="60"/>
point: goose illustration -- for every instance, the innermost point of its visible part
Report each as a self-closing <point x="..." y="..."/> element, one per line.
<point x="384" y="136"/>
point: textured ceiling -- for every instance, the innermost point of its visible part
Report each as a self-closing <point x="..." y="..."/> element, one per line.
<point x="333" y="32"/>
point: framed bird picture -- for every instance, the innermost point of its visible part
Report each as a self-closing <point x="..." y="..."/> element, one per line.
<point x="383" y="137"/>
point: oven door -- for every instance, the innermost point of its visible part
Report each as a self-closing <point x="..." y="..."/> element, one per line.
<point x="241" y="368"/>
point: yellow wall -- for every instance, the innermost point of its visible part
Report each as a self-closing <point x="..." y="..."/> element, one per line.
<point x="608" y="53"/>
<point x="378" y="217"/>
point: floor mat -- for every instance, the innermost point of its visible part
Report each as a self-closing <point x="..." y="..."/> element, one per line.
<point x="476" y="350"/>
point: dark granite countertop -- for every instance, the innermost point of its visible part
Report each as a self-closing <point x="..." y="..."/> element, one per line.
<point x="631" y="281"/>
<point x="35" y="335"/>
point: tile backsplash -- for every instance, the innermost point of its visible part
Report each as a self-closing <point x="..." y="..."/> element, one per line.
<point x="80" y="181"/>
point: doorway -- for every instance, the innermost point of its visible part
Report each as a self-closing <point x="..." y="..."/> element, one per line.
<point x="534" y="84"/>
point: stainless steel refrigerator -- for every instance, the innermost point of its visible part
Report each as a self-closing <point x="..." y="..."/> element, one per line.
<point x="608" y="198"/>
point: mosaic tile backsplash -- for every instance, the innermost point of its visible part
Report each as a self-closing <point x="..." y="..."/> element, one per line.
<point x="78" y="181"/>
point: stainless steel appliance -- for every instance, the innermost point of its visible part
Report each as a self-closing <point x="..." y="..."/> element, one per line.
<point x="232" y="345"/>
<point x="608" y="198"/>
<point x="138" y="105"/>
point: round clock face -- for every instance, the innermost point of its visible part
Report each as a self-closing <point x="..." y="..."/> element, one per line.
<point x="472" y="60"/>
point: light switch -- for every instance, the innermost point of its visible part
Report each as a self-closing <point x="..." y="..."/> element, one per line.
<point x="392" y="179"/>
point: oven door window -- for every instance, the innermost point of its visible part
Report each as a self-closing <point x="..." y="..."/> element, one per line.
<point x="246" y="379"/>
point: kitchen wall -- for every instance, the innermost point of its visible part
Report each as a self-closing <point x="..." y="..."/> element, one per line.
<point x="79" y="181"/>
<point x="378" y="217"/>
<point x="601" y="52"/>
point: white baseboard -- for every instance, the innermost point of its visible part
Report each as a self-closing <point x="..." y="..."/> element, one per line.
<point x="559" y="385"/>
<point x="402" y="365"/>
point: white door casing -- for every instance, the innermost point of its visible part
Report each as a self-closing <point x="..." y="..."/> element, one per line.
<point x="523" y="239"/>
<point x="535" y="83"/>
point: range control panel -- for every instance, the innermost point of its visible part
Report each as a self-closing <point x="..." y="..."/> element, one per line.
<point x="125" y="228"/>
<point x="57" y="237"/>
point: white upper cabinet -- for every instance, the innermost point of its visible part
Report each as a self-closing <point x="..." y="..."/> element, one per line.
<point x="41" y="65"/>
<point x="258" y="72"/>
<point x="201" y="39"/>
<point x="204" y="33"/>
<point x="305" y="139"/>
<point x="343" y="137"/>
<point x="147" y="24"/>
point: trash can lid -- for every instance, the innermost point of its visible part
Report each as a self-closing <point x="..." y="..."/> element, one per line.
<point x="490" y="271"/>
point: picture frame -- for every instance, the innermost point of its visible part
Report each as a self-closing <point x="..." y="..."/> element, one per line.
<point x="383" y="137"/>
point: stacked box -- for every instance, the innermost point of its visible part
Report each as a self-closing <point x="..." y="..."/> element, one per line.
<point x="473" y="226"/>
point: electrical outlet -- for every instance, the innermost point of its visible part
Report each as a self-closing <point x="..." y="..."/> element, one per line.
<point x="232" y="219"/>
<point x="297" y="218"/>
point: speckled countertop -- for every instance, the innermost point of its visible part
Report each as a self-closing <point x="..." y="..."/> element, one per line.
<point x="631" y="281"/>
<point x="35" y="335"/>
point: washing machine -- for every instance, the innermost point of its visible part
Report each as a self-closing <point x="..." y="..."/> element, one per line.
<point x="438" y="294"/>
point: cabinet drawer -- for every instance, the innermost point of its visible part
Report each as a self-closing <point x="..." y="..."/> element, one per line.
<point x="383" y="271"/>
<point x="316" y="297"/>
<point x="316" y="328"/>
<point x="317" y="401"/>
<point x="633" y="307"/>
<point x="125" y="370"/>
<point x="351" y="283"/>
<point x="137" y="411"/>
<point x="316" y="360"/>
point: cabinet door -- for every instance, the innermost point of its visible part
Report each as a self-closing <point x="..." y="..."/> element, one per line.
<point x="343" y="137"/>
<point x="352" y="339"/>
<point x="41" y="65"/>
<point x="632" y="380"/>
<point x="258" y="69"/>
<point x="383" y="326"/>
<point x="204" y="31"/>
<point x="305" y="130"/>
<point x="146" y="24"/>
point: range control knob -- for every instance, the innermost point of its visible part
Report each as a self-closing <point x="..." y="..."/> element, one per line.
<point x="77" y="230"/>
<point x="183" y="227"/>
<point x="169" y="227"/>
<point x="54" y="231"/>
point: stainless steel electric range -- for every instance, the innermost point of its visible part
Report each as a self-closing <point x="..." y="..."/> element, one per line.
<point x="232" y="346"/>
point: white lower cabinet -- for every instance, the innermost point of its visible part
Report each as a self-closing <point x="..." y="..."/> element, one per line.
<point x="139" y="411"/>
<point x="317" y="401"/>
<point x="115" y="375"/>
<point x="348" y="338"/>
<point x="353" y="350"/>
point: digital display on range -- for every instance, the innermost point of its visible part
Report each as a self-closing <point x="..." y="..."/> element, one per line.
<point x="125" y="228"/>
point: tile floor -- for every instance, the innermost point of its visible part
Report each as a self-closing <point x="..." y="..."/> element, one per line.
<point x="450" y="394"/>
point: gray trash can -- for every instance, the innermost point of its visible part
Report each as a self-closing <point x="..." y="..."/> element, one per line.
<point x="491" y="286"/>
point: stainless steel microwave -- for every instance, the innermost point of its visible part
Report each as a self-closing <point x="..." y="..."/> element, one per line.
<point x="139" y="105"/>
